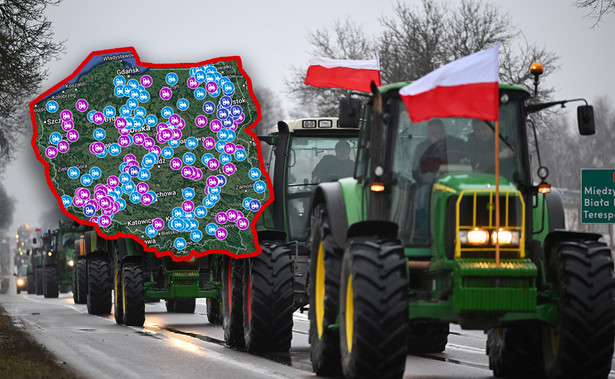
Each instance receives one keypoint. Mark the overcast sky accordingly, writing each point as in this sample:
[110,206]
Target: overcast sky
[270,37]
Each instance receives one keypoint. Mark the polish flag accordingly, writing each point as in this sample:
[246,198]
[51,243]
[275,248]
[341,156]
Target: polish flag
[343,73]
[467,87]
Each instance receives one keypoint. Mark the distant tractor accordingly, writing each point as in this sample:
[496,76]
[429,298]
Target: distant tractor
[261,293]
[122,267]
[409,244]
[58,246]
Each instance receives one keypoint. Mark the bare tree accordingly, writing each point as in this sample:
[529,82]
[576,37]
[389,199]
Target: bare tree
[418,40]
[272,110]
[26,45]
[347,40]
[598,8]
[7,208]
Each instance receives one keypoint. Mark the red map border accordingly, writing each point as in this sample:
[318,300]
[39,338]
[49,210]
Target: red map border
[193,253]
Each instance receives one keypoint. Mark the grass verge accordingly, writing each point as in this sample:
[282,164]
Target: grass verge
[22,357]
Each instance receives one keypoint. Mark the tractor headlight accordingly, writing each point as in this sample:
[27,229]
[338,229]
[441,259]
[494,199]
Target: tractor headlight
[49,253]
[20,282]
[505,237]
[474,236]
[71,263]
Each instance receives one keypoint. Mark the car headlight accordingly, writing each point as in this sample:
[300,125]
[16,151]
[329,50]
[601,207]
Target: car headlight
[71,263]
[20,282]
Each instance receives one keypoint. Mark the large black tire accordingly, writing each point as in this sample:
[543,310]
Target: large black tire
[214,310]
[581,345]
[426,337]
[170,305]
[232,315]
[374,310]
[50,282]
[515,351]
[324,284]
[133,294]
[38,280]
[118,297]
[268,299]
[31,285]
[81,280]
[185,305]
[99,287]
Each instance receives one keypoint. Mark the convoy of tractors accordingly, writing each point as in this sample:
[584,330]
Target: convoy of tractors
[385,246]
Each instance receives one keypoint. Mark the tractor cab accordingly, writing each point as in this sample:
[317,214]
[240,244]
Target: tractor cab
[302,154]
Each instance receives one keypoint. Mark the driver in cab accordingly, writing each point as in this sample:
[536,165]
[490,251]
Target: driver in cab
[333,167]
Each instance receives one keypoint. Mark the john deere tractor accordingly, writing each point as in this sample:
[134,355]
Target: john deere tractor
[261,293]
[58,245]
[411,243]
[135,277]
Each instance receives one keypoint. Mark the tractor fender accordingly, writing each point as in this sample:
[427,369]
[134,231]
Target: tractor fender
[129,251]
[559,235]
[331,195]
[271,235]
[555,210]
[374,229]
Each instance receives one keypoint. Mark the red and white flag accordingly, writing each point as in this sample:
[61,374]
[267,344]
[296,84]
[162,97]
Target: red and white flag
[343,73]
[467,87]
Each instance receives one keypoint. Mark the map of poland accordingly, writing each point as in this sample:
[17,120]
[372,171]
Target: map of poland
[161,153]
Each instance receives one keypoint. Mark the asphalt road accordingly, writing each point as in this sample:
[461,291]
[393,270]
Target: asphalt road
[185,345]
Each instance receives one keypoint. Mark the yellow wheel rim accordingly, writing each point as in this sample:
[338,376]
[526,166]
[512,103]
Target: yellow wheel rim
[116,285]
[123,295]
[554,341]
[320,289]
[349,314]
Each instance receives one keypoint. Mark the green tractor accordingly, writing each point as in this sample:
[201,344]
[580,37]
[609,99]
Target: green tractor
[135,277]
[408,245]
[58,262]
[36,268]
[261,293]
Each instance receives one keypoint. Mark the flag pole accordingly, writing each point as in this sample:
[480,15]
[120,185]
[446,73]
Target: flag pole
[497,193]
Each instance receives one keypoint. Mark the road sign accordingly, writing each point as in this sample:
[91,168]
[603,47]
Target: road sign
[598,196]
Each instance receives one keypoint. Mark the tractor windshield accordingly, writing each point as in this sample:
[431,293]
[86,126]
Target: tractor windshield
[424,151]
[68,240]
[314,159]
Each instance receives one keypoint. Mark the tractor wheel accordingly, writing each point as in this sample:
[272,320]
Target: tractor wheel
[214,311]
[99,287]
[185,305]
[324,284]
[38,280]
[81,288]
[581,344]
[232,316]
[118,298]
[515,351]
[170,305]
[133,294]
[268,299]
[31,284]
[373,310]
[427,337]
[50,281]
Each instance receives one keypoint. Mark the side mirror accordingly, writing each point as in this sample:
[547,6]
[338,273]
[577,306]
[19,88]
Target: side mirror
[350,112]
[585,118]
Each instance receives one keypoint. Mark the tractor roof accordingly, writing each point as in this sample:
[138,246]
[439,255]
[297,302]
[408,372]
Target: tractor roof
[313,124]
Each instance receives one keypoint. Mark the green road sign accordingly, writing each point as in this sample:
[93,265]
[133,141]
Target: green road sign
[598,196]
